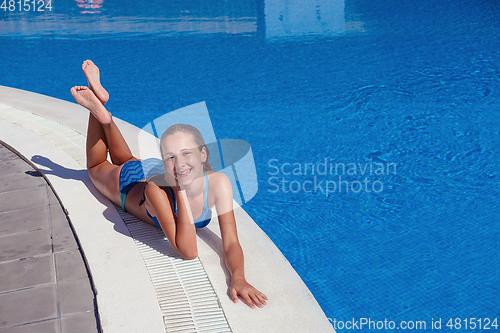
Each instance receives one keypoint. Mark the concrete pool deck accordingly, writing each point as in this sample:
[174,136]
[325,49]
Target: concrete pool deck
[140,285]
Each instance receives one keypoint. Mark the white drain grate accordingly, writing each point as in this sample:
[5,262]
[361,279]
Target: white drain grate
[186,297]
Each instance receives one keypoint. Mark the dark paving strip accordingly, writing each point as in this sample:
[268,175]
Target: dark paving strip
[45,285]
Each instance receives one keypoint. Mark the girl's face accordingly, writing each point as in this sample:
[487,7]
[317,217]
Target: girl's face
[182,158]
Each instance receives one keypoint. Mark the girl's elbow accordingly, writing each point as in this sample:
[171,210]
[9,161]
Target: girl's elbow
[189,255]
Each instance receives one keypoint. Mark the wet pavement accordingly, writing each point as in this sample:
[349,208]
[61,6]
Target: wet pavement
[44,282]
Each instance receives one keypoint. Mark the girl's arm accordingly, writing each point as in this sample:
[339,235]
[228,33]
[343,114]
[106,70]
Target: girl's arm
[179,230]
[233,253]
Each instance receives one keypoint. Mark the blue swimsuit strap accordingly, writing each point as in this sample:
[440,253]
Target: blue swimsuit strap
[205,194]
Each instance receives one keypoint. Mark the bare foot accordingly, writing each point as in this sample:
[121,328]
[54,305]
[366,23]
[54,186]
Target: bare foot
[92,74]
[86,98]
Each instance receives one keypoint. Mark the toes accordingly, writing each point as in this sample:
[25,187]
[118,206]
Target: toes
[86,64]
[76,89]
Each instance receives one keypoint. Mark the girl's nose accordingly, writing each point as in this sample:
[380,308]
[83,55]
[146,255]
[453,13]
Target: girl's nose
[179,161]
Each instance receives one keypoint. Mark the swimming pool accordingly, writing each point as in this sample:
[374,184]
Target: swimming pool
[319,88]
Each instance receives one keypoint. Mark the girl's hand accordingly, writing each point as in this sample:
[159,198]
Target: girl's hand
[248,293]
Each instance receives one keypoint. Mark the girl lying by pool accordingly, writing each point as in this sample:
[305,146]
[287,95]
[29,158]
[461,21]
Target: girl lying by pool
[186,187]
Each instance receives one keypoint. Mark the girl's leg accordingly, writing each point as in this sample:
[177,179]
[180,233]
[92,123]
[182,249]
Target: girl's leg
[102,134]
[97,146]
[103,174]
[118,148]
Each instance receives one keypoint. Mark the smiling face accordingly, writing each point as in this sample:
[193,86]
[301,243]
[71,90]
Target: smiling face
[182,158]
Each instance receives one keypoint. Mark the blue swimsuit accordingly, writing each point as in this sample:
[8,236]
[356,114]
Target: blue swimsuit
[136,171]
[133,172]
[206,214]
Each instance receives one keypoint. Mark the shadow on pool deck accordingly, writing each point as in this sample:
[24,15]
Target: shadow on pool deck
[44,282]
[51,168]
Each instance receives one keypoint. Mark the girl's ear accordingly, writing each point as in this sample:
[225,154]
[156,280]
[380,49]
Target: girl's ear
[204,154]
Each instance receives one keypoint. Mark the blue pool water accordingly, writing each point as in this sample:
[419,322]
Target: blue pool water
[317,84]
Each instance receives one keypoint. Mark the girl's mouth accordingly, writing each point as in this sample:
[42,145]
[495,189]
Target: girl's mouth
[184,173]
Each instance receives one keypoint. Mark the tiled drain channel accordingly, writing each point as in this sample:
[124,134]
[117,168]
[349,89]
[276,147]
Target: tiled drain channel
[186,297]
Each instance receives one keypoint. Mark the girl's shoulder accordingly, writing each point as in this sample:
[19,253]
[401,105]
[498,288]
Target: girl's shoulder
[218,181]
[220,190]
[216,176]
